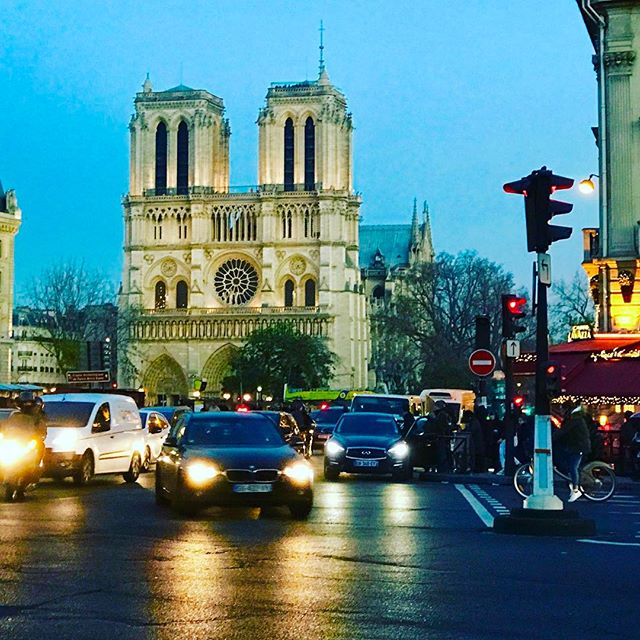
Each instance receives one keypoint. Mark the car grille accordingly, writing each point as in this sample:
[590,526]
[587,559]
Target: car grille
[366,453]
[252,475]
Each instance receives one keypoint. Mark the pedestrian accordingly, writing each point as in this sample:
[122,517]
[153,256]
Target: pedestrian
[305,424]
[572,443]
[478,452]
[442,428]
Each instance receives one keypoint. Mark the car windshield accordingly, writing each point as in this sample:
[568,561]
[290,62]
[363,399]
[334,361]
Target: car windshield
[67,414]
[367,425]
[231,432]
[327,416]
[378,404]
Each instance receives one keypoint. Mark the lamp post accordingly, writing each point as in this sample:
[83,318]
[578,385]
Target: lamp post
[587,185]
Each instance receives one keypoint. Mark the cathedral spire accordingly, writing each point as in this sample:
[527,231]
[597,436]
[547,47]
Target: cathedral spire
[147,87]
[426,230]
[415,229]
[321,65]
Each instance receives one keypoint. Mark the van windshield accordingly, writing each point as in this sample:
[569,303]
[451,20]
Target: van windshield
[67,414]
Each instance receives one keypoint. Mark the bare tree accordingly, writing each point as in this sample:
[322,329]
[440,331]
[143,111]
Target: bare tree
[570,304]
[435,308]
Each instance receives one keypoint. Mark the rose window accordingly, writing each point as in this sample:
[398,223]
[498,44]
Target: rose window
[235,282]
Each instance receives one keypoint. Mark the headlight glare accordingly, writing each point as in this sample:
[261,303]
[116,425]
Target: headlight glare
[65,441]
[299,472]
[400,450]
[333,448]
[11,451]
[200,473]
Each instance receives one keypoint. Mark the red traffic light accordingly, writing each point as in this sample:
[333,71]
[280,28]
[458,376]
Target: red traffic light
[518,402]
[551,369]
[515,305]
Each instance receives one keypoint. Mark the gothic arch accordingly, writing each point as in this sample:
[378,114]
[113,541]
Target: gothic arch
[218,367]
[164,376]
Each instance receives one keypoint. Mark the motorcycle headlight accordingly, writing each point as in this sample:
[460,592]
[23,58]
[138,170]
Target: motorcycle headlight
[11,451]
[65,441]
[299,472]
[199,473]
[333,448]
[399,450]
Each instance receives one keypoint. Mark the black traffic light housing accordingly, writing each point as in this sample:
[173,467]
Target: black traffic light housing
[512,311]
[552,379]
[537,189]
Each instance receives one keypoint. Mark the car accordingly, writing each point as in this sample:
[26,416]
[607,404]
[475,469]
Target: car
[231,459]
[326,419]
[90,434]
[288,427]
[367,442]
[156,428]
[171,413]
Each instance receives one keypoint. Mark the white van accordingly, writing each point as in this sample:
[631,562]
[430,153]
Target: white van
[457,400]
[92,433]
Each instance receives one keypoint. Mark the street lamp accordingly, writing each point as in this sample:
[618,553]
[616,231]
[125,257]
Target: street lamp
[246,397]
[587,185]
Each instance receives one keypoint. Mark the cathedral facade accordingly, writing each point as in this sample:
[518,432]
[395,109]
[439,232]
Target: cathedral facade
[206,264]
[10,220]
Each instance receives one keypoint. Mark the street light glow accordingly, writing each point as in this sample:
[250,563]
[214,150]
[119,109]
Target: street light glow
[587,185]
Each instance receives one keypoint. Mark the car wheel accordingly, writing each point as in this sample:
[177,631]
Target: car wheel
[84,473]
[301,510]
[146,463]
[10,492]
[134,469]
[330,474]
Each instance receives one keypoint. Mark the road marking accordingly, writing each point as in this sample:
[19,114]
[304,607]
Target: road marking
[614,544]
[481,512]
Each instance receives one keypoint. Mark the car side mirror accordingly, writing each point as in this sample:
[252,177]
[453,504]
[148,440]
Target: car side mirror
[171,441]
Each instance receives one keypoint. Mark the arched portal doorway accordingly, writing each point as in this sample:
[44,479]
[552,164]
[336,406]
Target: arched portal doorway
[165,382]
[217,368]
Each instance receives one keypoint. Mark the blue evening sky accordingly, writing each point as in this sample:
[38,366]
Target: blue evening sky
[450,98]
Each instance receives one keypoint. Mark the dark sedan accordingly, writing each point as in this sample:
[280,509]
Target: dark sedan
[326,420]
[171,413]
[231,459]
[367,443]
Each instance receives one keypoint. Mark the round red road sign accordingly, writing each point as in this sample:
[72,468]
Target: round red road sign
[482,362]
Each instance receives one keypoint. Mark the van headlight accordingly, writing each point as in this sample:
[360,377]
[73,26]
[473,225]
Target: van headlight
[299,472]
[199,473]
[332,448]
[65,441]
[399,450]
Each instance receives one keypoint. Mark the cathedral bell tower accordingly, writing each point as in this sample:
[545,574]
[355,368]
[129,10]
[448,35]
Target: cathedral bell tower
[305,137]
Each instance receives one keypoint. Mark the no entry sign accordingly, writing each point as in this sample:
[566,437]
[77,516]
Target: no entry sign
[482,362]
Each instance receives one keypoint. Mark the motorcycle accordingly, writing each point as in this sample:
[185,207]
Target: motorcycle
[20,466]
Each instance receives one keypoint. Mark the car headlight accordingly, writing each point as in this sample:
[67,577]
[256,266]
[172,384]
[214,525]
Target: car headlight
[333,448]
[200,473]
[299,472]
[399,450]
[65,441]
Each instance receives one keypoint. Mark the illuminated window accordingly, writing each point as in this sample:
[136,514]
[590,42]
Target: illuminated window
[161,295]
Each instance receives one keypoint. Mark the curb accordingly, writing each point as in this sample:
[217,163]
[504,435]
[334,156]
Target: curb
[467,478]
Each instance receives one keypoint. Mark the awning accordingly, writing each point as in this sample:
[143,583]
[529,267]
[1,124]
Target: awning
[606,369]
[19,387]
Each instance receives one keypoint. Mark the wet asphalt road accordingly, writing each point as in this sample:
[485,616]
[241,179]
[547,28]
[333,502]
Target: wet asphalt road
[374,560]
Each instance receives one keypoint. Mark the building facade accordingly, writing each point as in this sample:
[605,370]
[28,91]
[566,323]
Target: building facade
[10,220]
[612,251]
[208,264]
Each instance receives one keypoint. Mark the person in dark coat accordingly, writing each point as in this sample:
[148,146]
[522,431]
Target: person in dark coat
[630,427]
[442,429]
[574,442]
[305,424]
[477,453]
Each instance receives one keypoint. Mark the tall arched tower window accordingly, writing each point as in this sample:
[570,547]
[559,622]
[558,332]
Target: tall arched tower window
[310,293]
[182,295]
[309,154]
[288,293]
[161,295]
[161,159]
[182,181]
[288,155]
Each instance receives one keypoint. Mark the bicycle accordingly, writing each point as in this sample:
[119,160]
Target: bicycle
[597,480]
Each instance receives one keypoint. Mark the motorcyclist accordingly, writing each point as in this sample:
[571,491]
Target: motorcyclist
[305,424]
[28,422]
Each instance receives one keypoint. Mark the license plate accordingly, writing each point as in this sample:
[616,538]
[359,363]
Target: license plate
[365,463]
[252,488]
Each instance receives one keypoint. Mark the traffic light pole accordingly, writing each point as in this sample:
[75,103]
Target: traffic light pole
[542,496]
[509,391]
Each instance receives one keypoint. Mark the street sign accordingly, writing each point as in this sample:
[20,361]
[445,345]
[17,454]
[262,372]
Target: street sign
[544,268]
[88,376]
[482,362]
[512,348]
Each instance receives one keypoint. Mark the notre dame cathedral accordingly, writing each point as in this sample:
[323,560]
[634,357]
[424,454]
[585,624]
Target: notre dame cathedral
[208,264]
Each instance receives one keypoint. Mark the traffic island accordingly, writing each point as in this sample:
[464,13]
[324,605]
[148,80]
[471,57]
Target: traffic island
[539,522]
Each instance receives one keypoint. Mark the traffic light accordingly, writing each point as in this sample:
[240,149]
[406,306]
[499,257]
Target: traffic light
[512,310]
[537,189]
[552,379]
[518,402]
[105,354]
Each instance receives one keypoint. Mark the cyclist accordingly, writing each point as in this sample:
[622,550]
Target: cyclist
[572,442]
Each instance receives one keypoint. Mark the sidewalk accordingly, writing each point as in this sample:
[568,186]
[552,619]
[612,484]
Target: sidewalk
[622,482]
